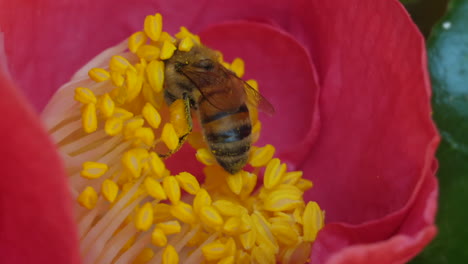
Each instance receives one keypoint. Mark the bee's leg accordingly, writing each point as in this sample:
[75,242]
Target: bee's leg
[188,118]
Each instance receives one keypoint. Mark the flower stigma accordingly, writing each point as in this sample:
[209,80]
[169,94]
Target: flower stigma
[111,125]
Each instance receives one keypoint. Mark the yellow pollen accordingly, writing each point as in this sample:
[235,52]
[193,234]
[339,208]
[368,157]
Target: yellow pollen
[136,40]
[313,221]
[156,165]
[148,52]
[88,198]
[99,75]
[186,44]
[235,182]
[227,260]
[93,170]
[237,66]
[261,156]
[228,208]
[116,137]
[273,173]
[170,255]
[169,136]
[117,79]
[172,189]
[170,227]
[109,190]
[211,217]
[214,250]
[113,126]
[89,118]
[154,189]
[167,50]
[153,26]
[85,95]
[202,198]
[304,184]
[183,212]
[204,156]
[188,182]
[119,64]
[122,113]
[106,105]
[155,75]
[158,237]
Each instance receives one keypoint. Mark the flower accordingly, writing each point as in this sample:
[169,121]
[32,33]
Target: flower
[356,116]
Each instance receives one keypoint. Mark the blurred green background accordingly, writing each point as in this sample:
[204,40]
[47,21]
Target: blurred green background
[445,26]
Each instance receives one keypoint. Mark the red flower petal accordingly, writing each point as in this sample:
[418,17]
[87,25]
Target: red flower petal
[371,163]
[36,224]
[376,242]
[377,140]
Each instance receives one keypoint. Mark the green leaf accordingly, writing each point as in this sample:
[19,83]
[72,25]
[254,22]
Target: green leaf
[448,64]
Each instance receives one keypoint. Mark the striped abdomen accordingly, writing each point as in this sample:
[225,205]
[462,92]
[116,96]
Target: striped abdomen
[227,134]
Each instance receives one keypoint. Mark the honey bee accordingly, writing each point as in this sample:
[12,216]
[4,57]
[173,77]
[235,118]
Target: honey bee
[220,98]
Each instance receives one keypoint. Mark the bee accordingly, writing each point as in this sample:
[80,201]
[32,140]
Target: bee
[220,98]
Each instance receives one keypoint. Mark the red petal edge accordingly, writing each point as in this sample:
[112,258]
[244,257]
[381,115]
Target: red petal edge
[36,225]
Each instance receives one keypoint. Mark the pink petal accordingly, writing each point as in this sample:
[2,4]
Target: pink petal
[365,243]
[36,225]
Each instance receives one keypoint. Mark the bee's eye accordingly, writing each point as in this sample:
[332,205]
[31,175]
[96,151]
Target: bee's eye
[206,64]
[179,65]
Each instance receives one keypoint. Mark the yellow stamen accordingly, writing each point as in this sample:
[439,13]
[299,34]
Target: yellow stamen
[261,156]
[172,189]
[136,40]
[170,255]
[169,227]
[153,26]
[109,190]
[148,52]
[156,165]
[183,212]
[211,217]
[215,250]
[167,50]
[119,64]
[89,118]
[113,126]
[186,44]
[99,75]
[155,75]
[204,156]
[273,173]
[158,237]
[237,67]
[169,136]
[235,182]
[155,189]
[144,217]
[88,198]
[93,170]
[85,96]
[188,182]
[313,221]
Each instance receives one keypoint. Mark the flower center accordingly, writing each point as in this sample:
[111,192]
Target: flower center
[112,134]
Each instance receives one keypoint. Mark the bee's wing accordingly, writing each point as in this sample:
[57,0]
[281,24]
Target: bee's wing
[254,98]
[221,88]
